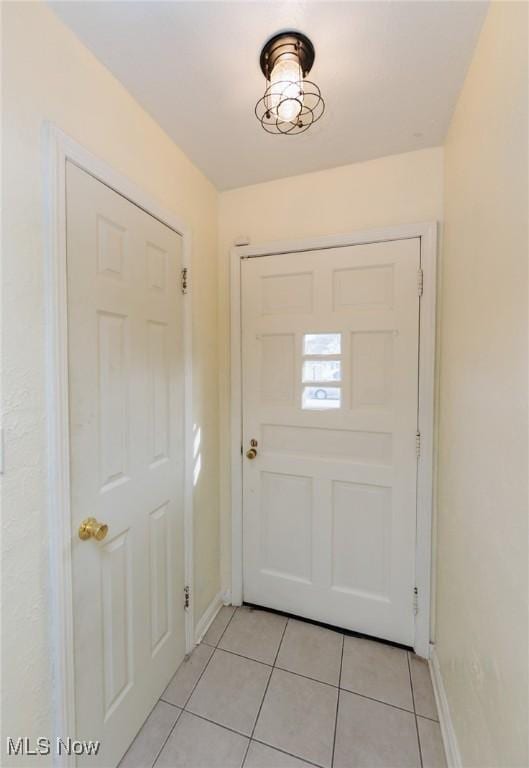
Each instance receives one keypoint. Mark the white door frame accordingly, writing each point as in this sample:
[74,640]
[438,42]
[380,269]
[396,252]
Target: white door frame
[427,232]
[58,149]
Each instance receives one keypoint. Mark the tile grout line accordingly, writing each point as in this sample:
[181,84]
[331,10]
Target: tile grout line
[337,704]
[430,719]
[265,691]
[183,709]
[227,625]
[411,683]
[242,656]
[414,709]
[280,643]
[379,701]
[307,677]
[170,703]
[290,754]
[219,725]
[167,739]
[322,682]
[208,661]
[141,729]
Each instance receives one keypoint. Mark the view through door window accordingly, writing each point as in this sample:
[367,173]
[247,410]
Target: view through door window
[321,371]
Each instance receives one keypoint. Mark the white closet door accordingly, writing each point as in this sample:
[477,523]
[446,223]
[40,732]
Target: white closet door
[330,375]
[126,422]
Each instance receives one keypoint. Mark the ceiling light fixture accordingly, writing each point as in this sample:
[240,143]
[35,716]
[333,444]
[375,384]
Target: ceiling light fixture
[291,103]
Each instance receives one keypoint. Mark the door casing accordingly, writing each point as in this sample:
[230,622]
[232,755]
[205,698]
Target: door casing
[58,149]
[427,232]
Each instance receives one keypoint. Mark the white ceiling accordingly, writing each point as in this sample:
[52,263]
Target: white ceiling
[390,73]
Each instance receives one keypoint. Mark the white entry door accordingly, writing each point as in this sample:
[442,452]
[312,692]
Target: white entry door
[330,381]
[125,346]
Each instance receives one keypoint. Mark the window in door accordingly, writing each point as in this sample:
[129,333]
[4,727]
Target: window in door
[321,372]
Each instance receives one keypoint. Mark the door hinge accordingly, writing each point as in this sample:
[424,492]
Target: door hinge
[418,443]
[420,281]
[187,597]
[415,601]
[183,276]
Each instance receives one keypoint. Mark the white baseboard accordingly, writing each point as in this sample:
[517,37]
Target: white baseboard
[208,617]
[453,756]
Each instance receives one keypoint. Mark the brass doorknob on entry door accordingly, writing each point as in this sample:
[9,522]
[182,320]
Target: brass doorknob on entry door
[251,453]
[91,529]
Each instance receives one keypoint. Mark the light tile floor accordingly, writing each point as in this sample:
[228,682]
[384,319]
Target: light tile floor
[264,691]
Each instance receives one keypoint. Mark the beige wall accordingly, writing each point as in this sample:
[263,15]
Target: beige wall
[482,638]
[400,189]
[49,75]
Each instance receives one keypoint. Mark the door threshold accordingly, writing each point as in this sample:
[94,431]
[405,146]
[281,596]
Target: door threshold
[348,632]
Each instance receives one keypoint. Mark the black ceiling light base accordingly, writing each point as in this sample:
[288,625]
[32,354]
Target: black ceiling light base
[288,44]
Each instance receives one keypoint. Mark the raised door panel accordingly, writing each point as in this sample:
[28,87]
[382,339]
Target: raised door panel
[353,446]
[286,525]
[117,611]
[159,392]
[361,545]
[160,578]
[111,248]
[156,268]
[277,368]
[113,396]
[372,369]
[286,294]
[368,288]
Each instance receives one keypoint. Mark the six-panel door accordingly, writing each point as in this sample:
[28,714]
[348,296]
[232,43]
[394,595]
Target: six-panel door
[126,427]
[330,372]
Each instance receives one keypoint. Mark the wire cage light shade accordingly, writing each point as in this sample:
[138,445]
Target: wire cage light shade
[291,103]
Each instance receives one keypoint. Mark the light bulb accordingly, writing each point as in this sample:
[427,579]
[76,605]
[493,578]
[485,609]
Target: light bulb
[286,95]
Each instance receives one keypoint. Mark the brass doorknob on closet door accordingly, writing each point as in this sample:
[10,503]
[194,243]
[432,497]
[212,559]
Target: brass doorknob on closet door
[251,453]
[92,529]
